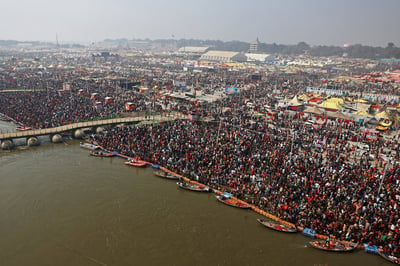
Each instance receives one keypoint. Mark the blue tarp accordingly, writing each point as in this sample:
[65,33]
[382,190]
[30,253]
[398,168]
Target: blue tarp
[371,249]
[227,195]
[309,232]
[155,166]
[231,90]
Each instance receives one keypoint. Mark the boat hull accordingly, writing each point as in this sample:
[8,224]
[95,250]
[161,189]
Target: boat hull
[193,187]
[277,226]
[233,203]
[338,247]
[88,146]
[392,259]
[136,163]
[166,175]
[101,154]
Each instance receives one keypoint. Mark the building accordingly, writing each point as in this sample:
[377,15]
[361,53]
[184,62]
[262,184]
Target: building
[193,50]
[223,56]
[254,46]
[259,57]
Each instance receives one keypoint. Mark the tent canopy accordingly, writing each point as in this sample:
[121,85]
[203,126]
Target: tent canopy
[294,102]
[331,105]
[313,110]
[383,115]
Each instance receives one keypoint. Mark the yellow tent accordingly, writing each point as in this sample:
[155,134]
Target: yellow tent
[304,97]
[337,100]
[360,101]
[333,103]
[383,115]
[233,64]
[362,112]
[330,105]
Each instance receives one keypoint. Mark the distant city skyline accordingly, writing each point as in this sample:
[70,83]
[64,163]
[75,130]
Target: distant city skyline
[315,22]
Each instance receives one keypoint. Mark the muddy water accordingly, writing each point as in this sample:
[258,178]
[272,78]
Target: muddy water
[60,206]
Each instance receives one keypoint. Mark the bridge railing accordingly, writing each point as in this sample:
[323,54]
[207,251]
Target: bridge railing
[55,130]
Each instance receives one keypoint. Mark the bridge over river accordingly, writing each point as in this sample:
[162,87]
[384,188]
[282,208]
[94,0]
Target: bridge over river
[6,138]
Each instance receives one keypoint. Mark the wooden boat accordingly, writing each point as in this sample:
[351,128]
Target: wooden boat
[194,187]
[278,226]
[166,175]
[88,146]
[333,246]
[390,258]
[101,154]
[136,163]
[228,200]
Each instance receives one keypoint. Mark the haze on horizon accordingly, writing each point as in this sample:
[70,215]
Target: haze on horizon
[315,22]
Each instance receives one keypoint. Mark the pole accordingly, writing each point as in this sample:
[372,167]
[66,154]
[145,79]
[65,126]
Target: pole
[291,148]
[382,178]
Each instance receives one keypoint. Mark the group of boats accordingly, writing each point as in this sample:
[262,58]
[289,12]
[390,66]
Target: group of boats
[228,199]
[327,245]
[182,184]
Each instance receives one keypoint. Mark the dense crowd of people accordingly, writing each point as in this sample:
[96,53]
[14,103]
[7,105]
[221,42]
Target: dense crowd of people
[310,174]
[307,175]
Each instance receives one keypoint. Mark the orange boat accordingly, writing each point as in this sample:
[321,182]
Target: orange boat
[228,200]
[335,246]
[136,162]
[277,226]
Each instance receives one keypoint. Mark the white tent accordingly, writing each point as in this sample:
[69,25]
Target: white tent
[295,102]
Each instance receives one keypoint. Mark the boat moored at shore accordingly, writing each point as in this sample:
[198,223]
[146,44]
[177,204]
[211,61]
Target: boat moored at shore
[88,146]
[228,200]
[277,226]
[194,187]
[166,175]
[334,246]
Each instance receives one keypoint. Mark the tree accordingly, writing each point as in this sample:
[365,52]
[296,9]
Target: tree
[390,45]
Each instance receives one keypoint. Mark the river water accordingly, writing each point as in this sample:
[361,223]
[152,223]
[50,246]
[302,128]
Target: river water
[60,206]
